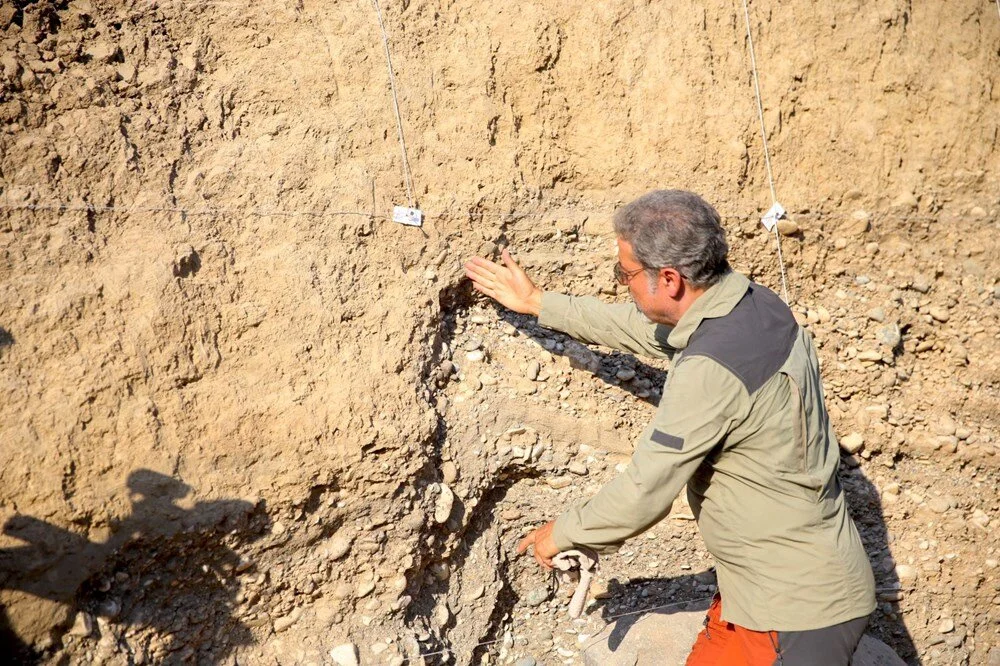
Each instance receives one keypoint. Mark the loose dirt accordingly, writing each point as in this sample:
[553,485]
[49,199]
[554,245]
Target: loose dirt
[240,421]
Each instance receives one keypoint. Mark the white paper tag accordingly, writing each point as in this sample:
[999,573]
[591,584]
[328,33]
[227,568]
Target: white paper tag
[771,217]
[412,217]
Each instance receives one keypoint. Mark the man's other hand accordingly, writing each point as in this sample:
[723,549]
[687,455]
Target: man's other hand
[508,284]
[545,547]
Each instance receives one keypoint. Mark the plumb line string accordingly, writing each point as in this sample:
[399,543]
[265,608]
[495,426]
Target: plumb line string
[407,176]
[767,153]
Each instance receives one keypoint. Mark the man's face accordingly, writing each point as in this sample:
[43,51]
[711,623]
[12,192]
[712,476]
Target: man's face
[652,302]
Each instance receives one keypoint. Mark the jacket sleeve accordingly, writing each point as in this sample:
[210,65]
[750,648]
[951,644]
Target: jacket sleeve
[617,325]
[701,404]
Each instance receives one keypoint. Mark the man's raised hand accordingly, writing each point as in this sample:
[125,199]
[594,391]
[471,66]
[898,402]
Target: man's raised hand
[508,284]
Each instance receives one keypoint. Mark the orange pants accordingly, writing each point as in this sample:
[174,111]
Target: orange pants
[727,644]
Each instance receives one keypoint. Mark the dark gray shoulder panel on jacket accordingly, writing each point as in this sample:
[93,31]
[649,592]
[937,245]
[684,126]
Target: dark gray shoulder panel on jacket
[753,341]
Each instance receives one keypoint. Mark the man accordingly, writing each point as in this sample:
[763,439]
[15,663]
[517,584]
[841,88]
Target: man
[741,422]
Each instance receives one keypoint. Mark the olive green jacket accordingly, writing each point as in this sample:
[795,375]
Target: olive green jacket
[743,424]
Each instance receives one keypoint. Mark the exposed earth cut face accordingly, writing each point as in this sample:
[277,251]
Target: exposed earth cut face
[244,416]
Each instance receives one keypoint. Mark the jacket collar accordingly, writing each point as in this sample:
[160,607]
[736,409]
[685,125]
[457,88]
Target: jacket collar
[717,301]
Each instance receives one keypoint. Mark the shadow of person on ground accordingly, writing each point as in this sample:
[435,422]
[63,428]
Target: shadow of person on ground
[865,504]
[169,571]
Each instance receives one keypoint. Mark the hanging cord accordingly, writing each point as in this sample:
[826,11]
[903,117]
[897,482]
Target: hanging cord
[767,153]
[407,176]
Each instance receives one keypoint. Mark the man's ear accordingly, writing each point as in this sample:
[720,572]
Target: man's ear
[671,281]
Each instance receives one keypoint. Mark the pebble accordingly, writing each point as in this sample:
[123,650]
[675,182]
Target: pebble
[83,625]
[939,314]
[443,504]
[537,596]
[488,380]
[858,224]
[787,227]
[338,546]
[526,387]
[980,519]
[526,661]
[472,344]
[870,355]
[475,356]
[510,514]
[441,570]
[479,319]
[578,468]
[475,593]
[441,615]
[947,626]
[890,335]
[938,504]
[558,482]
[904,572]
[285,621]
[906,200]
[853,442]
[345,655]
[877,314]
[534,367]
[365,587]
[625,374]
[946,427]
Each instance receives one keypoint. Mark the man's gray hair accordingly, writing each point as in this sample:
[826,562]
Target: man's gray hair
[677,229]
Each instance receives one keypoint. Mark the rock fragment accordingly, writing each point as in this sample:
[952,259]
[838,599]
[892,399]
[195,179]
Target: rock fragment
[345,654]
[787,227]
[938,504]
[83,625]
[852,443]
[890,335]
[877,314]
[285,621]
[859,223]
[939,314]
[337,546]
[444,503]
[625,374]
[537,596]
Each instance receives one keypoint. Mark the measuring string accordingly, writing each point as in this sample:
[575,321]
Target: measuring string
[776,212]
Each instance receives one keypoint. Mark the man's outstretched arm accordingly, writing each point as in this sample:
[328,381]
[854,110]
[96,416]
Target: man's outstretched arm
[701,404]
[589,320]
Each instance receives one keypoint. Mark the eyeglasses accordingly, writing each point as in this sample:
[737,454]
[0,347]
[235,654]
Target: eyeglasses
[622,276]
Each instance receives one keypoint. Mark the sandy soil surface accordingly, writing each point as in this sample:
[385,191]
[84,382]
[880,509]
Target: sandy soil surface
[245,418]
